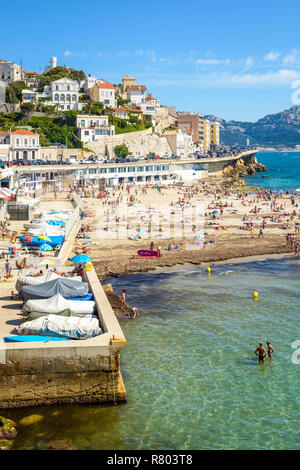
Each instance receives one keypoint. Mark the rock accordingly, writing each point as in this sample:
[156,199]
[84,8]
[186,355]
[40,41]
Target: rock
[5,444]
[56,445]
[31,419]
[7,429]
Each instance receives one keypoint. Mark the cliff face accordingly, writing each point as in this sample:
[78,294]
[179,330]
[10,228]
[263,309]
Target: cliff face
[273,130]
[241,169]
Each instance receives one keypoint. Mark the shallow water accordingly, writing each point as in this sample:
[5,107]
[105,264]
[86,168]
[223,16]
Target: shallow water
[192,379]
[283,171]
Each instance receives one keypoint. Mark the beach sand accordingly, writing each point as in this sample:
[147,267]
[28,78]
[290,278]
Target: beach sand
[113,250]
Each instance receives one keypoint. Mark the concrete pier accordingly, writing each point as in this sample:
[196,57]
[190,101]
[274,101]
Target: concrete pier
[77,371]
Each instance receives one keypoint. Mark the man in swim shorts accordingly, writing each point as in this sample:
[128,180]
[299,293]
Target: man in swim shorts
[261,353]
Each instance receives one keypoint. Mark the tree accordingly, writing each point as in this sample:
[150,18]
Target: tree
[13,93]
[121,151]
[27,108]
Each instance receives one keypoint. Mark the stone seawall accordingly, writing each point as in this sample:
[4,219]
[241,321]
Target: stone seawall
[138,143]
[77,379]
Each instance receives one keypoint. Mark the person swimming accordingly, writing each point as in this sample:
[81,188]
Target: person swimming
[261,353]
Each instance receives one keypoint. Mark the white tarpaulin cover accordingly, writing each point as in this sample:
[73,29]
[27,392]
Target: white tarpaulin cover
[48,230]
[57,304]
[68,327]
[32,280]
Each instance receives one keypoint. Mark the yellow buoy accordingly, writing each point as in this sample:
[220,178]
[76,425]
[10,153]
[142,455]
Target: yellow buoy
[255,295]
[208,269]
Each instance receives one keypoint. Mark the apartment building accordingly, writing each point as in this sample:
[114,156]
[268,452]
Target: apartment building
[190,123]
[103,92]
[92,128]
[10,71]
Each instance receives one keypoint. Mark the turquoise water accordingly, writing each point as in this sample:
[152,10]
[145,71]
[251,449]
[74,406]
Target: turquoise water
[192,379]
[283,171]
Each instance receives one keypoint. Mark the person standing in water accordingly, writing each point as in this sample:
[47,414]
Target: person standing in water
[270,349]
[123,300]
[261,353]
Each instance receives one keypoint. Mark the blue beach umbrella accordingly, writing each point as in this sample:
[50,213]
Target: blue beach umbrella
[215,212]
[81,259]
[45,247]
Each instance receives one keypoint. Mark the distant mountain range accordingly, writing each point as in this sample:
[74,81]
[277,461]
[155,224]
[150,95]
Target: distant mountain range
[274,130]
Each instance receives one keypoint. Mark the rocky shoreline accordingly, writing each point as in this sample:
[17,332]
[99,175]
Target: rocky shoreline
[241,168]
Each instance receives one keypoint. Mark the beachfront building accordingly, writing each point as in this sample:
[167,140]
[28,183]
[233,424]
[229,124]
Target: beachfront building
[19,145]
[147,173]
[211,134]
[64,93]
[24,145]
[190,123]
[104,92]
[10,71]
[136,94]
[180,142]
[92,128]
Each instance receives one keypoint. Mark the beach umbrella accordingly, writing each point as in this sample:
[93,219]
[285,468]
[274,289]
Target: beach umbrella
[297,190]
[82,258]
[215,212]
[45,247]
[281,192]
[43,237]
[46,261]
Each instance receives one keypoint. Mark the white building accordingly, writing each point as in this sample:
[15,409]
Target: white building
[136,93]
[10,71]
[24,145]
[29,95]
[184,143]
[104,92]
[91,128]
[65,93]
[53,64]
[89,82]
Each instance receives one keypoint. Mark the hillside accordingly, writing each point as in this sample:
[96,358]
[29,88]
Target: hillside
[281,129]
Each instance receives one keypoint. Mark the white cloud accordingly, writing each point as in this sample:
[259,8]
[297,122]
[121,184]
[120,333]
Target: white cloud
[280,78]
[211,61]
[291,58]
[272,56]
[249,62]
[67,53]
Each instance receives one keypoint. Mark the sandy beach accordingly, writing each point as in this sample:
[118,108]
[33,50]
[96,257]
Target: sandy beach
[208,222]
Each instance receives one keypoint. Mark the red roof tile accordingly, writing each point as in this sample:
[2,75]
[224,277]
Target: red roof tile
[105,85]
[136,88]
[24,132]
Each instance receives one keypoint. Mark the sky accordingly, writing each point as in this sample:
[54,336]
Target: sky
[237,60]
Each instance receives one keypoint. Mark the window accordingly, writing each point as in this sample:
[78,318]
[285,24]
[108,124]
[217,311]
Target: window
[74,98]
[56,87]
[149,168]
[62,98]
[140,168]
[165,167]
[103,170]
[122,169]
[56,97]
[86,132]
[25,141]
[106,101]
[17,142]
[33,155]
[68,97]
[62,106]
[112,170]
[131,169]
[68,87]
[157,167]
[33,142]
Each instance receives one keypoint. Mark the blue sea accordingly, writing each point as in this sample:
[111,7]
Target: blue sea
[283,171]
[192,379]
